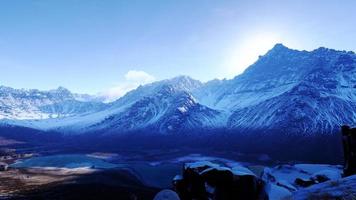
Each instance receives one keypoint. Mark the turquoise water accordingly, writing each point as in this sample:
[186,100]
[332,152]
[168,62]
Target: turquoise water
[67,161]
[160,175]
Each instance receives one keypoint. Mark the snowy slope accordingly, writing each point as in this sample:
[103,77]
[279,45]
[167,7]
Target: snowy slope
[273,74]
[164,106]
[168,110]
[296,113]
[321,101]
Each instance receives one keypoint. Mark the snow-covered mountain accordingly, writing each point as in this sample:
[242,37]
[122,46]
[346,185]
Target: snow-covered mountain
[21,104]
[295,91]
[165,106]
[305,92]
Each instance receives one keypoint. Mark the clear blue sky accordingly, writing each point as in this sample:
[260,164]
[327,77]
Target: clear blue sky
[90,46]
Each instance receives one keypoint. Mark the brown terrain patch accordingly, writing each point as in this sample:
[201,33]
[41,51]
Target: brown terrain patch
[19,180]
[79,183]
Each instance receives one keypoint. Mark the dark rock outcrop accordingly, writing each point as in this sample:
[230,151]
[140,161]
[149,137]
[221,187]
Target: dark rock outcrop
[206,180]
[315,179]
[304,183]
[349,142]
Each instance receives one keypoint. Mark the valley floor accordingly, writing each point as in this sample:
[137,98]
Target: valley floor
[142,175]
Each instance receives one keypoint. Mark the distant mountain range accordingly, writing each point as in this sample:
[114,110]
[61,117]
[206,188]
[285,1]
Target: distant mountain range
[21,104]
[297,92]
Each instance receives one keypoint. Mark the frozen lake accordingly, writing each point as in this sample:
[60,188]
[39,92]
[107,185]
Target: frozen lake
[65,161]
[159,175]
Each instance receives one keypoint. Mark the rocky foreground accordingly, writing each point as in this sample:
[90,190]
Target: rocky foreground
[199,180]
[207,180]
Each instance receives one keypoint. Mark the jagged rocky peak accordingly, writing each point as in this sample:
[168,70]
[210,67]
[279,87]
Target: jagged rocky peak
[62,92]
[282,63]
[183,83]
[28,104]
[59,92]
[275,58]
[10,90]
[164,87]
[279,47]
[4,88]
[61,89]
[328,51]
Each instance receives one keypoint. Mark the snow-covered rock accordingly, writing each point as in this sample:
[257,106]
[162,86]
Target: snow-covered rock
[344,188]
[282,179]
[200,165]
[208,180]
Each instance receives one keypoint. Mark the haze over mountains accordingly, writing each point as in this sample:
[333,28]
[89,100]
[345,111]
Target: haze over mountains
[298,92]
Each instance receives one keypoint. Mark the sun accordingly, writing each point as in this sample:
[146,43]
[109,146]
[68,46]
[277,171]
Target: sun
[247,50]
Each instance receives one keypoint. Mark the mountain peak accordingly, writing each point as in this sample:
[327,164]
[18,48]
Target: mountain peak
[182,78]
[61,90]
[5,88]
[279,47]
[183,83]
[62,93]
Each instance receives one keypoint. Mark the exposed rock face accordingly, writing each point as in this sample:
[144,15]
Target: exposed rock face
[349,142]
[206,180]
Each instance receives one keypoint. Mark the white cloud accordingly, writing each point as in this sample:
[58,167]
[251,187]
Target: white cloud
[133,79]
[139,77]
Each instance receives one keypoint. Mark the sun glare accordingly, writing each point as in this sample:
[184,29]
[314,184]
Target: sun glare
[247,50]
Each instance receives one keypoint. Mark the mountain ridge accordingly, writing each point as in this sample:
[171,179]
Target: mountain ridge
[300,91]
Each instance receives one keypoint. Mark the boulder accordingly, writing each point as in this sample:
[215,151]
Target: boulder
[206,180]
